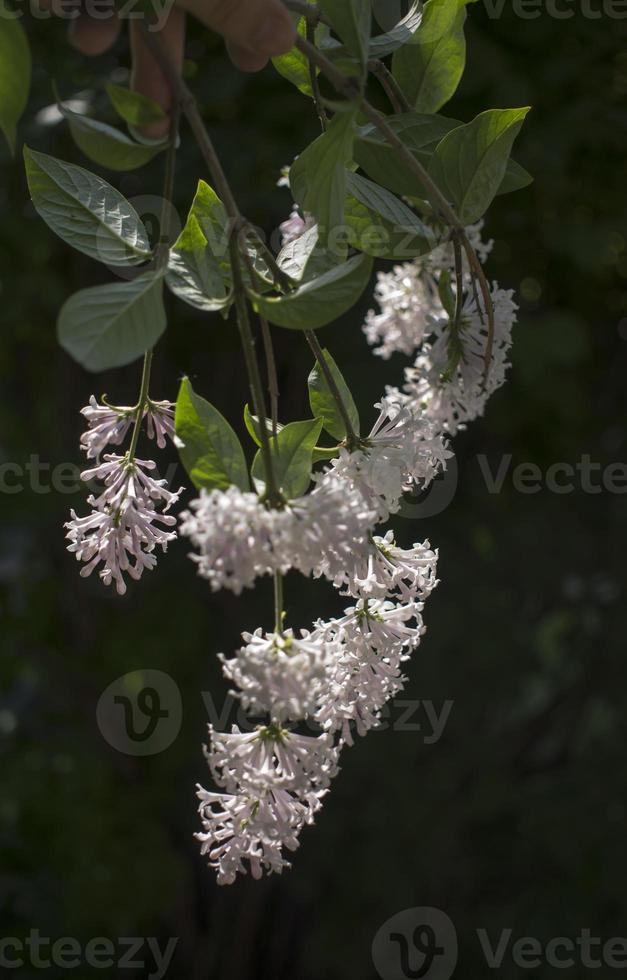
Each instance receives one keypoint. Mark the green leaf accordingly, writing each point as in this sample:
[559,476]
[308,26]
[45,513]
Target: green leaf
[319,301]
[516,178]
[209,213]
[470,163]
[294,66]
[382,225]
[323,404]
[352,21]
[132,107]
[430,71]
[374,235]
[210,452]
[107,146]
[109,326]
[85,211]
[320,453]
[15,72]
[252,424]
[292,457]
[294,257]
[420,133]
[318,176]
[194,274]
[200,258]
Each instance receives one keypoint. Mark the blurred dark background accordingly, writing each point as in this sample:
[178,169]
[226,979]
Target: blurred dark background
[515,818]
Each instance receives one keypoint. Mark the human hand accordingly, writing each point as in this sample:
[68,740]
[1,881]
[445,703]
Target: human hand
[254,30]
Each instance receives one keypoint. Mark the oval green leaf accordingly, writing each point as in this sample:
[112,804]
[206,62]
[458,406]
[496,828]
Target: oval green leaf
[85,211]
[132,107]
[109,326]
[15,72]
[107,146]
[323,404]
[470,163]
[319,301]
[292,456]
[209,448]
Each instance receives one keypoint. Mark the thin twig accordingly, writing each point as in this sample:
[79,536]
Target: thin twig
[479,276]
[459,284]
[392,89]
[351,436]
[310,11]
[273,380]
[188,105]
[273,383]
[162,252]
[141,404]
[350,89]
[278,603]
[281,279]
[165,221]
[313,77]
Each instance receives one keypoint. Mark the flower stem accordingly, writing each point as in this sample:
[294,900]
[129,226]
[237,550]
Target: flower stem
[141,404]
[162,253]
[392,89]
[273,381]
[351,436]
[252,367]
[279,614]
[313,77]
[281,280]
[188,105]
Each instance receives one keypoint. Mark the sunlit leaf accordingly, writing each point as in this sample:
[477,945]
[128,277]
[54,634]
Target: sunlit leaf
[85,211]
[321,300]
[209,448]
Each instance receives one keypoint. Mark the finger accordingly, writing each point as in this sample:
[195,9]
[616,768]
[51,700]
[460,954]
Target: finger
[245,59]
[262,26]
[93,37]
[148,78]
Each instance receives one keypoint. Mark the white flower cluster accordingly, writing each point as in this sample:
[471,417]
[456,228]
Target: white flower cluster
[329,531]
[339,675]
[125,526]
[273,781]
[448,380]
